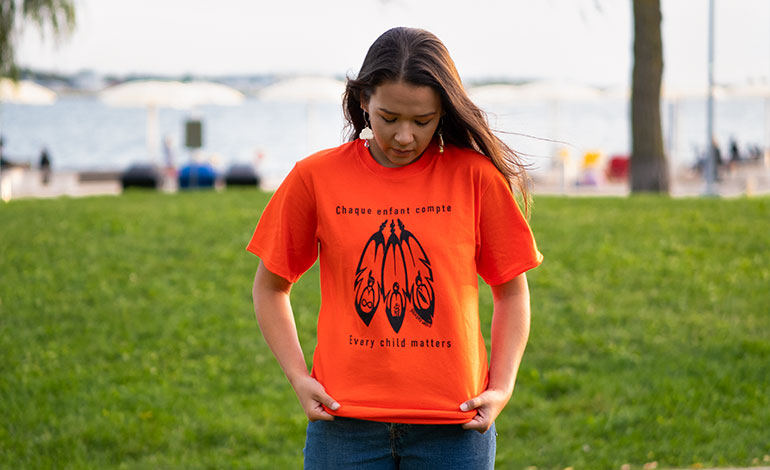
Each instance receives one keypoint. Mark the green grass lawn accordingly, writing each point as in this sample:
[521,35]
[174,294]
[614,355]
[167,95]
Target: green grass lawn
[128,340]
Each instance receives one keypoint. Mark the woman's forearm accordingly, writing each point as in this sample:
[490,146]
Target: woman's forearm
[276,321]
[510,332]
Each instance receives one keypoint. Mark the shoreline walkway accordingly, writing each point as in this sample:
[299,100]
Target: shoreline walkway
[745,180]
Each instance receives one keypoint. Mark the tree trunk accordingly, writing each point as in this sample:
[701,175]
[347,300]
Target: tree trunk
[649,166]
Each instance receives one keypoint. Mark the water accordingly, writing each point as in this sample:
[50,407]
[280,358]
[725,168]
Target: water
[84,134]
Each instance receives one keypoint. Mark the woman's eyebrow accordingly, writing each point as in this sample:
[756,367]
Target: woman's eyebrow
[384,110]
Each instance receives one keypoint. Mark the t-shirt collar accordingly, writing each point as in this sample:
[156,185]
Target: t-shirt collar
[417,166]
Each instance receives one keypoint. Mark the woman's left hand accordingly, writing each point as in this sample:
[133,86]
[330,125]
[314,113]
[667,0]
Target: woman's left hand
[488,405]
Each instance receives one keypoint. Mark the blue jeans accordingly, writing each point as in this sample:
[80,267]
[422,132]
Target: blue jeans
[347,443]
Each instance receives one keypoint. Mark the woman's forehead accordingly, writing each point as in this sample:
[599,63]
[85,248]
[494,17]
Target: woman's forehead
[406,98]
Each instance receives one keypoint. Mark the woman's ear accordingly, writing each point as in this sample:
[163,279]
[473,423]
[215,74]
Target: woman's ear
[364,100]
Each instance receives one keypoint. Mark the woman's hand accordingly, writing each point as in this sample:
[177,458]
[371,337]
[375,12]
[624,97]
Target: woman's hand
[488,405]
[313,397]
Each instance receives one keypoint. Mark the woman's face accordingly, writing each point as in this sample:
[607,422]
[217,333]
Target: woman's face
[404,118]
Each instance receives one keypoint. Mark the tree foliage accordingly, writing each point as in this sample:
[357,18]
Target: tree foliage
[56,16]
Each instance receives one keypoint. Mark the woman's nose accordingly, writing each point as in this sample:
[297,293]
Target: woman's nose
[404,136]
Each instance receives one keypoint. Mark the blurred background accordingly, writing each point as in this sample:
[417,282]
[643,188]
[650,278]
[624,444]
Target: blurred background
[559,70]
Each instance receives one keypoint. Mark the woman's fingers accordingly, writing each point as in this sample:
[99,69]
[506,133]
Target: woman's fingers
[471,404]
[313,398]
[487,405]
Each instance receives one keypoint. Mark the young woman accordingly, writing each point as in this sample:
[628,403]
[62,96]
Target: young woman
[405,216]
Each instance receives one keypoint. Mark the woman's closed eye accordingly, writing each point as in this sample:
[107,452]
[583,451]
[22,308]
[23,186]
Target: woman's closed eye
[419,123]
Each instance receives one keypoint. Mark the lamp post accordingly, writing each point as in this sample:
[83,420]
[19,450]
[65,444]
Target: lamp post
[710,168]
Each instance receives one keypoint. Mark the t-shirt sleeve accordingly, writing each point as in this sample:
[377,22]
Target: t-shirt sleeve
[285,238]
[505,245]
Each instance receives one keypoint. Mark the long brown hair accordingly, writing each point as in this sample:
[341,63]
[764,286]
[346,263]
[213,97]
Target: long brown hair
[418,57]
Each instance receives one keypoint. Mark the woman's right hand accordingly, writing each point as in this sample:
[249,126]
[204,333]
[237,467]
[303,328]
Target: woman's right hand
[313,397]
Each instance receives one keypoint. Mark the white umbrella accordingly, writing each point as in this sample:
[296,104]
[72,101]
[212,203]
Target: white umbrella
[678,93]
[154,94]
[312,91]
[170,94]
[498,93]
[25,92]
[554,90]
[305,90]
[545,90]
[751,90]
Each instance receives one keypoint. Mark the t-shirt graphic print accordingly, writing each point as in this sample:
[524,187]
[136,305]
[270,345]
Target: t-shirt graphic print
[397,272]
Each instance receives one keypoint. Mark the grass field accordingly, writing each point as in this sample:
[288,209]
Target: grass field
[128,341]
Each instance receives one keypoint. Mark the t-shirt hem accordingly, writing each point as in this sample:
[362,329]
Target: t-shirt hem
[406,416]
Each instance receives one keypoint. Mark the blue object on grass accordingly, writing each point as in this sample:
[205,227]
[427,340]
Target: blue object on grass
[197,175]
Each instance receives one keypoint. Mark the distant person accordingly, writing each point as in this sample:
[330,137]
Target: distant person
[755,152]
[45,165]
[168,153]
[405,216]
[715,154]
[735,154]
[3,162]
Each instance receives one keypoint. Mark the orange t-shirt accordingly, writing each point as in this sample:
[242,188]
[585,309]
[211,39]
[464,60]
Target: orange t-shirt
[400,249]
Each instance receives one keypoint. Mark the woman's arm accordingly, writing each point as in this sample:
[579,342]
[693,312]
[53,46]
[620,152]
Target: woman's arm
[510,331]
[276,320]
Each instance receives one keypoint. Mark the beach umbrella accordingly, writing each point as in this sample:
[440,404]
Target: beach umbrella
[25,92]
[304,90]
[170,94]
[494,94]
[537,91]
[558,91]
[311,91]
[748,90]
[155,94]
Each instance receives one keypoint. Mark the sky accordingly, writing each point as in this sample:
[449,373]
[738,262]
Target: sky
[584,41]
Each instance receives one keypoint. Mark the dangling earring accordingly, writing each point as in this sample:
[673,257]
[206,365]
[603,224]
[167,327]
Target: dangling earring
[366,132]
[441,138]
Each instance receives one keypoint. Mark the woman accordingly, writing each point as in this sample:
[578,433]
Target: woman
[405,216]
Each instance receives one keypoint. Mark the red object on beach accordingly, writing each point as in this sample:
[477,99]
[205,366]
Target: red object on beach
[617,168]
